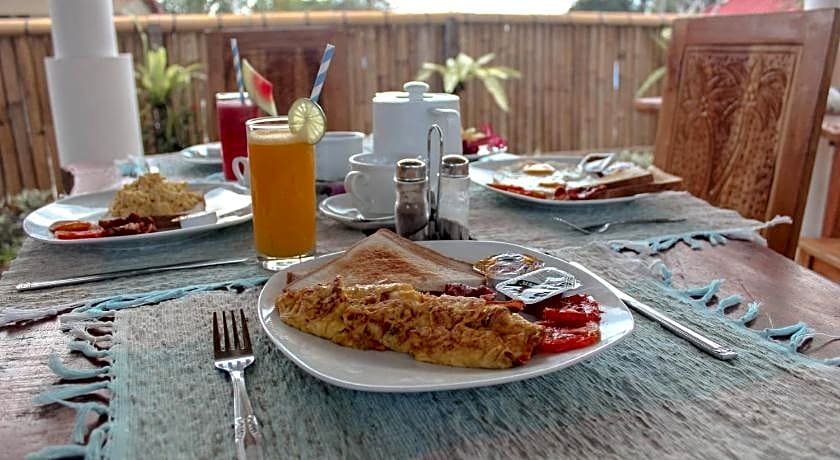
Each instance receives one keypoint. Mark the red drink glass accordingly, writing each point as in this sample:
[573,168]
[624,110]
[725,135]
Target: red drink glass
[232,114]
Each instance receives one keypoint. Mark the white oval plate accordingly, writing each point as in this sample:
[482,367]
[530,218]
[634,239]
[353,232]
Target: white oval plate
[92,206]
[482,173]
[387,371]
[203,154]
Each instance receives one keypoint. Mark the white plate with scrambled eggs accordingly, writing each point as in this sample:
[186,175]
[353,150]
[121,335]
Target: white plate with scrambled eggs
[229,200]
[388,371]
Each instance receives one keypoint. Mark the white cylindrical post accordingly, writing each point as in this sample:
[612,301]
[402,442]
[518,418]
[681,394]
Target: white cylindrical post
[83,28]
[92,93]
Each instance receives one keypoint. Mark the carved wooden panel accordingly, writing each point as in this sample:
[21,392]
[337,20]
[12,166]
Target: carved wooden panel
[741,109]
[729,114]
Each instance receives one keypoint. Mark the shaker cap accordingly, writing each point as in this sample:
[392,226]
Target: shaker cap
[455,166]
[410,170]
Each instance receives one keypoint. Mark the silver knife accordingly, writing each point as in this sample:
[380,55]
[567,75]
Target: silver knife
[684,332]
[31,286]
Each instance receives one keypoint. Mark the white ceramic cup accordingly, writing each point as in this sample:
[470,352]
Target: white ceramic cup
[371,184]
[333,152]
[242,171]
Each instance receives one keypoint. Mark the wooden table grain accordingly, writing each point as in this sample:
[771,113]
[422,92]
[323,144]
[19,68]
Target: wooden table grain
[789,293]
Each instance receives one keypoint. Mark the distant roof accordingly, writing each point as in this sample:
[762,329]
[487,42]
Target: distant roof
[753,6]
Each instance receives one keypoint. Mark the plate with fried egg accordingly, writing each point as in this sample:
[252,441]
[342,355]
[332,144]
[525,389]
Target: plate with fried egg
[556,181]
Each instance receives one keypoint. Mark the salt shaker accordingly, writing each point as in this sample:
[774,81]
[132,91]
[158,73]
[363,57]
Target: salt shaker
[453,207]
[411,209]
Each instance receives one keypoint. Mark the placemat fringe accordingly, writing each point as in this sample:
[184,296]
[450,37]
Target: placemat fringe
[61,394]
[751,314]
[87,349]
[59,452]
[695,239]
[64,392]
[92,450]
[702,298]
[94,308]
[67,373]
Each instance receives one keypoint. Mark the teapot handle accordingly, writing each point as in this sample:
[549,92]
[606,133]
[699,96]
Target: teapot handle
[452,124]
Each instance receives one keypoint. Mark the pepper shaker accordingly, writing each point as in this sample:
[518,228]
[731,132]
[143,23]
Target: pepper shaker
[411,209]
[453,198]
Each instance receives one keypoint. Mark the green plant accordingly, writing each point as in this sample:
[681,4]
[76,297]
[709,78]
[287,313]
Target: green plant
[662,40]
[11,220]
[158,82]
[462,68]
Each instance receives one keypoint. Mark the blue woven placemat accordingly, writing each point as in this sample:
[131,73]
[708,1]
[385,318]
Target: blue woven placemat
[492,217]
[651,396]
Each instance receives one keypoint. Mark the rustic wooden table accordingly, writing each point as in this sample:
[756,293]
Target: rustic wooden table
[790,293]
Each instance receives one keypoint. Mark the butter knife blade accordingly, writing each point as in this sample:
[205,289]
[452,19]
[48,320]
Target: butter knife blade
[695,338]
[34,285]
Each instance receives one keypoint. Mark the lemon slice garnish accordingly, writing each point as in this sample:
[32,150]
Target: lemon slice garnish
[307,120]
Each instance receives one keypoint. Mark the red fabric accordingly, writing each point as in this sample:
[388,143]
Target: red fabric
[753,6]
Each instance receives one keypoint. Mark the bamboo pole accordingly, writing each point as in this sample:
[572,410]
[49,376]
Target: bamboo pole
[26,70]
[200,22]
[17,114]
[8,157]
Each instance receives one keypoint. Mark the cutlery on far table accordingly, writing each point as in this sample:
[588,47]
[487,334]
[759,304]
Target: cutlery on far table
[234,360]
[33,285]
[700,341]
[603,227]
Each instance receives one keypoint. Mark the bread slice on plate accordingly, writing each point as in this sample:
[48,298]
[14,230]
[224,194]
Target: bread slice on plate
[386,257]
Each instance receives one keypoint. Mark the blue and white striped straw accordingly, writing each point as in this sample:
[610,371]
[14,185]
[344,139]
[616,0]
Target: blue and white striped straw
[322,73]
[234,47]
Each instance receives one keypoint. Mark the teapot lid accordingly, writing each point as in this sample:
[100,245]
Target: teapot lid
[414,91]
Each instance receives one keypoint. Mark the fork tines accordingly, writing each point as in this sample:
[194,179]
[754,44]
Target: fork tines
[245,346]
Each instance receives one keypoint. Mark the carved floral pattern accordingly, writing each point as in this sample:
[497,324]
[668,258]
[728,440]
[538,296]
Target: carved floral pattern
[730,107]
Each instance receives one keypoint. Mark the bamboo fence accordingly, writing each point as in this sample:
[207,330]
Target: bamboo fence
[580,73]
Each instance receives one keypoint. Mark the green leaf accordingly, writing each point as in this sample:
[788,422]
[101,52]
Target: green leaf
[424,74]
[462,68]
[450,81]
[484,60]
[434,67]
[494,87]
[651,80]
[465,66]
[503,73]
[429,68]
[510,72]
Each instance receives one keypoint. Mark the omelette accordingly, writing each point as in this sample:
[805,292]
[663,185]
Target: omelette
[449,330]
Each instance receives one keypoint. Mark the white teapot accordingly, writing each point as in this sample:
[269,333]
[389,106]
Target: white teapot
[401,121]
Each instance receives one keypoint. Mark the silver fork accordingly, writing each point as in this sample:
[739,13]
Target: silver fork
[234,360]
[601,228]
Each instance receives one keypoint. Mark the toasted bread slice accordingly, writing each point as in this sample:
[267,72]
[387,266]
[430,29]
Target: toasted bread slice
[634,175]
[385,257]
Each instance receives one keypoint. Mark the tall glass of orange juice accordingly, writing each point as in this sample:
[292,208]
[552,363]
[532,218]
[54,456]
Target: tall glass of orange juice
[282,168]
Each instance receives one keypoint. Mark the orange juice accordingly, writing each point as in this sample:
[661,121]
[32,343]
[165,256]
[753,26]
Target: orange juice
[282,190]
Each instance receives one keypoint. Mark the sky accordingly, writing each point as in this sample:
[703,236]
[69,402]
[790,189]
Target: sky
[482,6]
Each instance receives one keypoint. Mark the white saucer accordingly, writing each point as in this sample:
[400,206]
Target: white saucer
[340,208]
[203,154]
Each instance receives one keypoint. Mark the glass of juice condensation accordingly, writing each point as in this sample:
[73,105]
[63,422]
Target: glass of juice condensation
[231,114]
[282,192]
